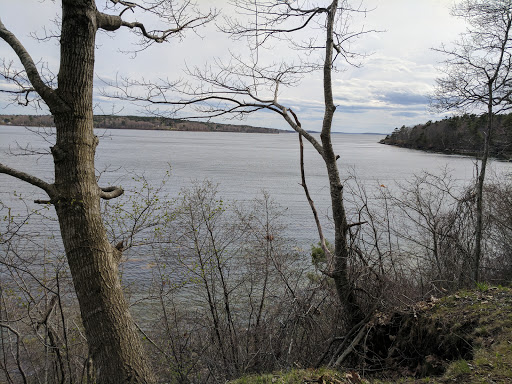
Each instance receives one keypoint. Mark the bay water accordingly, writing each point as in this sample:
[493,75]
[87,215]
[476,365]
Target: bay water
[242,164]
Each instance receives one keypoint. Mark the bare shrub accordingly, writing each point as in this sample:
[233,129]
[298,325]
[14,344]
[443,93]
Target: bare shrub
[231,295]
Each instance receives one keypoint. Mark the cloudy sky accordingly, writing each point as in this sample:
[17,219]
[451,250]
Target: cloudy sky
[389,90]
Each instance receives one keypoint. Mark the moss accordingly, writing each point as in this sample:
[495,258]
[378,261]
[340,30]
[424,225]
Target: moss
[458,368]
[463,338]
[482,331]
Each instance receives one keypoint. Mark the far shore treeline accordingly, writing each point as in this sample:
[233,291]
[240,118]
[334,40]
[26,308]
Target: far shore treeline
[463,135]
[138,122]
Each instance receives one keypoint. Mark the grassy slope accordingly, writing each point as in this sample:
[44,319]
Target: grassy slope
[482,317]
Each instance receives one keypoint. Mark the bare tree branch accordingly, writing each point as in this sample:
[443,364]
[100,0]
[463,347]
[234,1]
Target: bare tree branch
[111,192]
[48,188]
[48,94]
[243,86]
[180,16]
[478,75]
[18,354]
[328,254]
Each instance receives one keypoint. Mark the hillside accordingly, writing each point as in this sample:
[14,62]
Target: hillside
[462,338]
[138,122]
[456,135]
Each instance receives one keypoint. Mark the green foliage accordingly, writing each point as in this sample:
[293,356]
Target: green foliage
[482,286]
[318,257]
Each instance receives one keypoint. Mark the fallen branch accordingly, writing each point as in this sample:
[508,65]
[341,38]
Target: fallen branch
[361,325]
[351,347]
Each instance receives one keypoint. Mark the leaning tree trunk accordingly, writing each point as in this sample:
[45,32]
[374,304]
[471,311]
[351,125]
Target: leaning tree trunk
[340,273]
[114,345]
[115,348]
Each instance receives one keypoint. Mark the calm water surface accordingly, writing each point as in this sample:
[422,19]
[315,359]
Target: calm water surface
[242,164]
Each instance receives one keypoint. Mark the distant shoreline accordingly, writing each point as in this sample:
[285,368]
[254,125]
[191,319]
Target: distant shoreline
[143,129]
[457,135]
[142,123]
[451,152]
[280,131]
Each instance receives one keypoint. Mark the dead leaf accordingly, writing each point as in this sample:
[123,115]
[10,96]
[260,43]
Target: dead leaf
[353,377]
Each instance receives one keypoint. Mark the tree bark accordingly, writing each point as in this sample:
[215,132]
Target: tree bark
[116,350]
[340,273]
[482,54]
[475,263]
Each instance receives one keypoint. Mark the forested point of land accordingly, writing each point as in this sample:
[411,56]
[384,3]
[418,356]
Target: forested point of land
[138,122]
[462,135]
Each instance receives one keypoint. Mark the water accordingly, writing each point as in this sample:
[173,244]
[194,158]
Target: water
[242,164]
[245,164]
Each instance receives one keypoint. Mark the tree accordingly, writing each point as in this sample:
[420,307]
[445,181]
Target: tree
[246,85]
[477,76]
[114,345]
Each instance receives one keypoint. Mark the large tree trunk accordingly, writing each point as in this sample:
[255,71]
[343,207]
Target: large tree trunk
[115,348]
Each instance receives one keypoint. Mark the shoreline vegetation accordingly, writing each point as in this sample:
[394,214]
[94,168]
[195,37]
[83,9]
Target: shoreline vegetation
[140,123]
[457,135]
[154,123]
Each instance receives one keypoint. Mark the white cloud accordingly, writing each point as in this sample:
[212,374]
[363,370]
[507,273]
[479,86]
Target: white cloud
[388,91]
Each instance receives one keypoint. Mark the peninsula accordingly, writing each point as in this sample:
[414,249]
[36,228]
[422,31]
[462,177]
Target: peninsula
[462,135]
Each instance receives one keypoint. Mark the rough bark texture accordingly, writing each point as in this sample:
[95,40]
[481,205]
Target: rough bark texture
[340,274]
[115,348]
[114,345]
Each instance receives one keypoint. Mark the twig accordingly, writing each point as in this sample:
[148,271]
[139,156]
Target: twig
[328,253]
[351,347]
[18,357]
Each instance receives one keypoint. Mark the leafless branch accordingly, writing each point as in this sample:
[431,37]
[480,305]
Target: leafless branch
[181,17]
[18,355]
[47,93]
[328,254]
[48,188]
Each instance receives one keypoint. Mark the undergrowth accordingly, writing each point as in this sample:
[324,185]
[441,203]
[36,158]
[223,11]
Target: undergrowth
[482,318]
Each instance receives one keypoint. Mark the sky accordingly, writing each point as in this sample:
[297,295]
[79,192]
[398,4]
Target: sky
[388,90]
